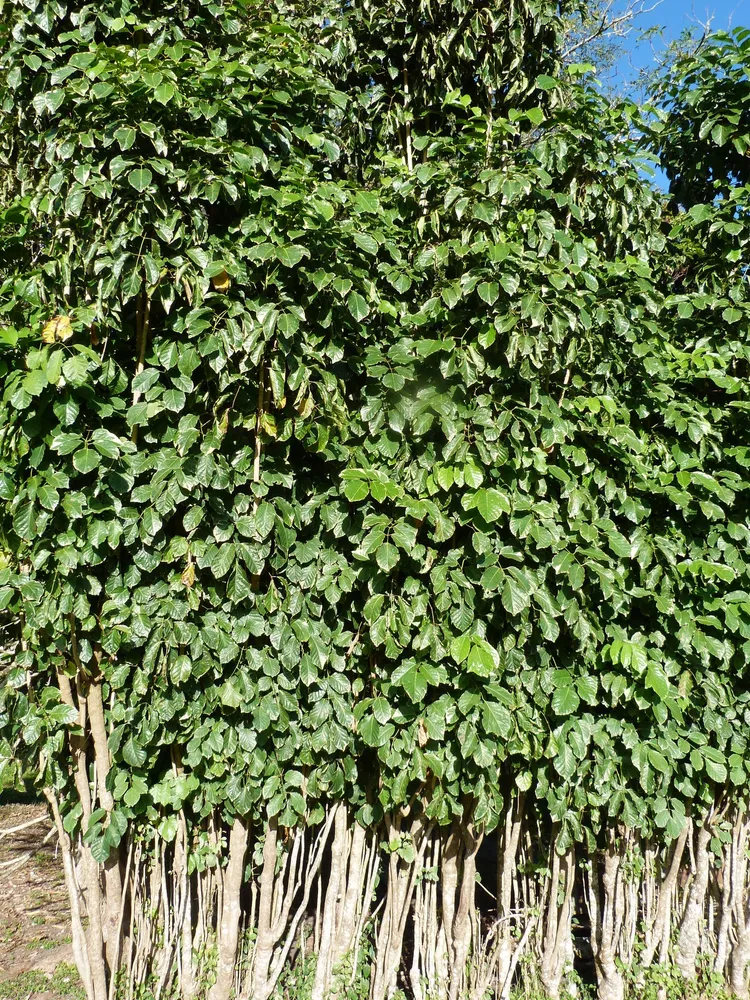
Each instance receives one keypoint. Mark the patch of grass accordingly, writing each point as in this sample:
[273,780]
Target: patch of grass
[64,984]
[45,943]
[24,985]
[44,858]
[40,898]
[9,933]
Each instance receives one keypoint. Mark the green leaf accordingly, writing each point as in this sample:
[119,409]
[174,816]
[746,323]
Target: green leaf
[483,659]
[164,93]
[565,700]
[48,497]
[489,292]
[516,596]
[150,523]
[588,688]
[24,521]
[86,460]
[658,761]
[715,764]
[230,695]
[140,178]
[265,517]
[460,648]
[223,560]
[657,681]
[180,670]
[716,770]
[576,575]
[365,242]
[496,719]
[485,211]
[125,136]
[404,535]
[387,557]
[473,475]
[510,283]
[492,578]
[721,134]
[174,399]
[565,762]
[75,199]
[133,754]
[381,710]
[105,442]
[701,213]
[290,255]
[193,517]
[239,588]
[373,608]
[356,490]
[408,676]
[544,82]
[357,306]
[66,443]
[373,733]
[491,504]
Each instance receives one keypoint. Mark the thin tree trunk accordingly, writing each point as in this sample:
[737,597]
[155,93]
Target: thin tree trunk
[266,941]
[80,946]
[352,902]
[557,946]
[90,869]
[662,923]
[507,861]
[324,967]
[142,324]
[605,910]
[461,932]
[112,877]
[690,928]
[401,878]
[740,903]
[231,913]
[189,987]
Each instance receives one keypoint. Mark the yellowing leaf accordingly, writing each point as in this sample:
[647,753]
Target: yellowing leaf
[304,406]
[221,281]
[188,575]
[57,328]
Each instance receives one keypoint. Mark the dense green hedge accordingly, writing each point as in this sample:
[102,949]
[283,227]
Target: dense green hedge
[372,432]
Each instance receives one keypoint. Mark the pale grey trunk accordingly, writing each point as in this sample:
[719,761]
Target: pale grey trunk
[605,900]
[690,927]
[231,914]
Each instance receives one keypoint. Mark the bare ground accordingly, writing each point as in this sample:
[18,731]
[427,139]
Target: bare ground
[35,951]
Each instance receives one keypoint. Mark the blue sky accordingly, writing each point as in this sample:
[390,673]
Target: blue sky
[674,16]
[677,15]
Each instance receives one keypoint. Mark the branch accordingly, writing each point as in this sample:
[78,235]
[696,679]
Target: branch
[142,323]
[608,25]
[23,826]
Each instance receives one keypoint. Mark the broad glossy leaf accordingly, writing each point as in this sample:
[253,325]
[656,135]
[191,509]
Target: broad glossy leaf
[565,700]
[387,557]
[140,178]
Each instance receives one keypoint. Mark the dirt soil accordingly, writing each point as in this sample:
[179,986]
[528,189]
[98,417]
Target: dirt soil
[35,948]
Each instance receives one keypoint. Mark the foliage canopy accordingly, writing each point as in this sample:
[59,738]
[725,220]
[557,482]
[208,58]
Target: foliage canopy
[371,433]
